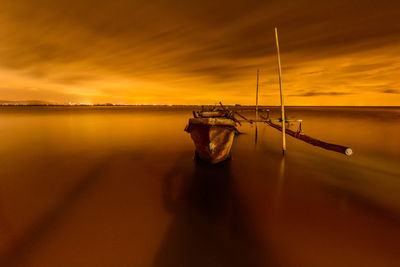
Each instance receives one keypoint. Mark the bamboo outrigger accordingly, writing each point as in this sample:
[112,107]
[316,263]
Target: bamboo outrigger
[315,142]
[298,134]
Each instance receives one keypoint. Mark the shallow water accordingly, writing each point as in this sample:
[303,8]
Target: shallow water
[118,186]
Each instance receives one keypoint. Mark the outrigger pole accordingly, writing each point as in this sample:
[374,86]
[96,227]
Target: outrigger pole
[258,75]
[281,89]
[256,130]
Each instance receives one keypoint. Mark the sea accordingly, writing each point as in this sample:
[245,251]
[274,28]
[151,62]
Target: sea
[119,186]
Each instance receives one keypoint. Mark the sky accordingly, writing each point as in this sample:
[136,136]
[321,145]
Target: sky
[342,52]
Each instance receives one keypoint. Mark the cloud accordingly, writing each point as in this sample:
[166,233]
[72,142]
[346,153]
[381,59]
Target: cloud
[391,91]
[307,94]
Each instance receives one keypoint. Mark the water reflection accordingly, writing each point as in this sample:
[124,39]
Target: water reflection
[13,255]
[281,178]
[208,228]
[311,206]
[255,136]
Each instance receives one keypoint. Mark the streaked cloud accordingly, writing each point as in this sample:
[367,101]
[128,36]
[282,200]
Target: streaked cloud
[311,93]
[391,91]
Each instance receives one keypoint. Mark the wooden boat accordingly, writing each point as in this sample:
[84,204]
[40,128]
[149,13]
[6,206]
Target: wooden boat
[212,133]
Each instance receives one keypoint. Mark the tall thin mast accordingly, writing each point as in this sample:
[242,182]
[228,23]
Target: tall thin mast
[281,89]
[258,74]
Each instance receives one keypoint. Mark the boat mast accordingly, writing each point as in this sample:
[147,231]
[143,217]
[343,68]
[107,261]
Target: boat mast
[258,74]
[281,89]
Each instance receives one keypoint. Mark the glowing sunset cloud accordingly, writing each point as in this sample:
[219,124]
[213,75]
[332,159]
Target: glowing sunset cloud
[187,52]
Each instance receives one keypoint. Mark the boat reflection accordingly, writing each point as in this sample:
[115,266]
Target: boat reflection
[208,227]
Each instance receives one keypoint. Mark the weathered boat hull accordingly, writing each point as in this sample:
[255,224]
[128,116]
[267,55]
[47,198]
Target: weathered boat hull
[213,137]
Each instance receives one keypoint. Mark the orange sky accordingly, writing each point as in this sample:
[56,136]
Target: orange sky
[199,52]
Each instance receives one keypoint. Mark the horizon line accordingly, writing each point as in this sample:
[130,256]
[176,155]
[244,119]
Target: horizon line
[177,105]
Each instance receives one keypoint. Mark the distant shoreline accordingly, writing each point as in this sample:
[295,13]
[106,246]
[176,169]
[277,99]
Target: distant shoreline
[182,106]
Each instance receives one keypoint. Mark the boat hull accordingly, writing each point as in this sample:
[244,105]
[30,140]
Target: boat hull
[213,138]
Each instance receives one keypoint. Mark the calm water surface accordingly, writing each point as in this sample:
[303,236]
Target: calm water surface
[119,187]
